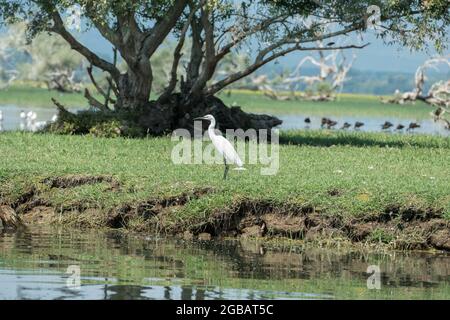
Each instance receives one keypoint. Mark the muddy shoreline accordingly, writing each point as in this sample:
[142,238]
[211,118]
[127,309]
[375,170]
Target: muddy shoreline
[398,227]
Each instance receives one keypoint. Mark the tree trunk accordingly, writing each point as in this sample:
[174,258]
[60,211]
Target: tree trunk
[134,88]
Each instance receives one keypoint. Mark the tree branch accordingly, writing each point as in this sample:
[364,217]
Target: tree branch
[94,102]
[176,58]
[258,63]
[210,61]
[94,82]
[77,46]
[154,37]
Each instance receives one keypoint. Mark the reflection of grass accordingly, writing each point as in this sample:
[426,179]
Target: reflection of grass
[347,104]
[376,171]
[227,265]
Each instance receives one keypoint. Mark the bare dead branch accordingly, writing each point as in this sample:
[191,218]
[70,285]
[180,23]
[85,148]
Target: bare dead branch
[94,102]
[260,62]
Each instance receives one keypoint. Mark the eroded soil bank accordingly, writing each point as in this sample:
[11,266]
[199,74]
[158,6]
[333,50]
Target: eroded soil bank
[398,226]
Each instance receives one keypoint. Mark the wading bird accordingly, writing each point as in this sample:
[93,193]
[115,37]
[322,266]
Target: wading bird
[358,124]
[307,120]
[438,113]
[413,126]
[223,146]
[1,115]
[346,126]
[331,123]
[386,125]
[23,115]
[400,127]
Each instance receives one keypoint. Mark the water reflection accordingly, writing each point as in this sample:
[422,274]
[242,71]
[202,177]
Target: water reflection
[371,124]
[28,119]
[113,265]
[13,119]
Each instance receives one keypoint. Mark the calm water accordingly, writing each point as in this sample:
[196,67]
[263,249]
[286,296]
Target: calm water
[44,263]
[372,124]
[12,121]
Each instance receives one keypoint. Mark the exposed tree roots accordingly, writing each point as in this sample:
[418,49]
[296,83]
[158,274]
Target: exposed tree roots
[157,119]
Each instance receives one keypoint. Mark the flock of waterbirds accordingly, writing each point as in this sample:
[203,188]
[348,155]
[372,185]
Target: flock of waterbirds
[28,121]
[331,124]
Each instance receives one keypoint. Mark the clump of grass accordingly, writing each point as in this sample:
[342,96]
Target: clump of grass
[380,235]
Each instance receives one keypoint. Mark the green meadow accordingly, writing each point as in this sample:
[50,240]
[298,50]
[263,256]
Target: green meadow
[351,175]
[250,101]
[369,172]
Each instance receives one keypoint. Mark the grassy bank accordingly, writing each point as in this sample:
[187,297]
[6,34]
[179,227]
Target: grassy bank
[347,104]
[352,105]
[351,186]
[28,96]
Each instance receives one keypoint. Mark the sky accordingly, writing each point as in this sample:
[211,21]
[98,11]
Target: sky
[376,57]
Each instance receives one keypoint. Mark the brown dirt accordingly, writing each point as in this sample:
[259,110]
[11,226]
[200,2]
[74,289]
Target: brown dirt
[398,227]
[40,215]
[72,181]
[406,228]
[8,218]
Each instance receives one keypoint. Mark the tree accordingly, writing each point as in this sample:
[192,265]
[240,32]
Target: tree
[438,95]
[48,59]
[332,73]
[217,28]
[8,70]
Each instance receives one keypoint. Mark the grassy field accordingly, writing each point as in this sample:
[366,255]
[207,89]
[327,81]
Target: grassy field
[30,96]
[250,101]
[354,105]
[349,175]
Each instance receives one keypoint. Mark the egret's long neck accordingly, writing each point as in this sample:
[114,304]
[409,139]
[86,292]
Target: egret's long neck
[211,127]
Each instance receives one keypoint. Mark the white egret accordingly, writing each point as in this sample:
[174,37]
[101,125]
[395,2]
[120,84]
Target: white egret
[1,115]
[54,118]
[223,146]
[23,115]
[38,125]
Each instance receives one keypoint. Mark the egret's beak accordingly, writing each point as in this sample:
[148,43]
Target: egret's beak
[200,118]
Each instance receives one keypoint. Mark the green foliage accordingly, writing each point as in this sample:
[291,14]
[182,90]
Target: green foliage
[380,235]
[110,129]
[109,124]
[61,127]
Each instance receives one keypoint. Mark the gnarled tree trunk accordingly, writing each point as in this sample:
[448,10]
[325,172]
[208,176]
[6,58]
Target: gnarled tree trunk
[134,88]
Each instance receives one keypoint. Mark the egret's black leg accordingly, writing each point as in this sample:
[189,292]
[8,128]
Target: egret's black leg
[226,168]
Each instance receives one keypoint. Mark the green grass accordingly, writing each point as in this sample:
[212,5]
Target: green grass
[347,104]
[26,96]
[372,171]
[354,105]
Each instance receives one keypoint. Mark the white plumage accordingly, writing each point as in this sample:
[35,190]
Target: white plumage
[223,146]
